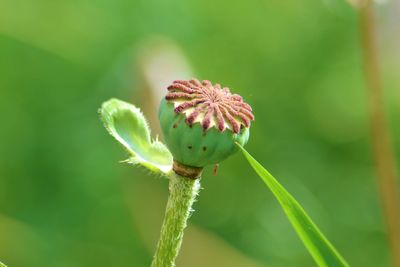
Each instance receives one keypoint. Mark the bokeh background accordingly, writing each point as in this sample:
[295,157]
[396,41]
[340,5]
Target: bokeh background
[66,201]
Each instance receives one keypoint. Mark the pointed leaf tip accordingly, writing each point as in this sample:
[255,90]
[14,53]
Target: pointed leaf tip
[315,242]
[127,125]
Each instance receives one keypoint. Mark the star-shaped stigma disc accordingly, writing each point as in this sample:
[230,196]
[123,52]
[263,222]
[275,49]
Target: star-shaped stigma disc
[210,105]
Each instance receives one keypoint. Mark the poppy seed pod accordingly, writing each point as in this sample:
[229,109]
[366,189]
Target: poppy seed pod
[201,124]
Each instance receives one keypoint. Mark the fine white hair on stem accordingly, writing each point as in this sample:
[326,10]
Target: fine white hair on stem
[182,194]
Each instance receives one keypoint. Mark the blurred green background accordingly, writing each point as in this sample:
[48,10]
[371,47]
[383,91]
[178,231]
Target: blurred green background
[65,200]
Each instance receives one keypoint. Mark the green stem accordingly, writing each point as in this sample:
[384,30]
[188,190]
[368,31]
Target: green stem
[183,192]
[384,157]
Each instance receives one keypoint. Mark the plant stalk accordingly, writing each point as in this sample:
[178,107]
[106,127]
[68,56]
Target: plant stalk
[183,192]
[382,148]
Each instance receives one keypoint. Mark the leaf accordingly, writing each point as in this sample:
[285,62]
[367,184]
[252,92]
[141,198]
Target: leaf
[2,264]
[127,124]
[316,243]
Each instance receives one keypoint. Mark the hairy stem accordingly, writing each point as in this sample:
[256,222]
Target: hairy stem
[380,138]
[183,192]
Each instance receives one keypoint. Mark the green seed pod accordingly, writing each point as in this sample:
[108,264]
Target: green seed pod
[202,122]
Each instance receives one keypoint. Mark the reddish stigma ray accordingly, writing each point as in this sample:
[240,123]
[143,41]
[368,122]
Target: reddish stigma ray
[211,103]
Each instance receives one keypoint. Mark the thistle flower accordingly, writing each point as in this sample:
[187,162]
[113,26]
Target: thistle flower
[201,122]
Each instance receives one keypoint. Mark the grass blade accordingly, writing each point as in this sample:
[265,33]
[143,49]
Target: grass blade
[316,243]
[2,264]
